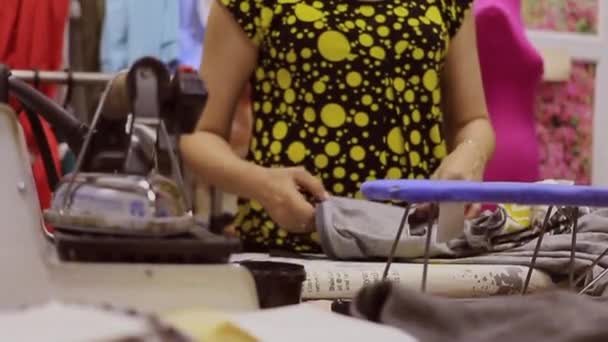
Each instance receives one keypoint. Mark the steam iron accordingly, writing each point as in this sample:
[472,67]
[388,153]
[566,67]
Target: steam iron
[128,183]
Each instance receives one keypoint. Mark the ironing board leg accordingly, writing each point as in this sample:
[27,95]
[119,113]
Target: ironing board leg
[590,268]
[543,228]
[574,217]
[593,281]
[427,250]
[396,242]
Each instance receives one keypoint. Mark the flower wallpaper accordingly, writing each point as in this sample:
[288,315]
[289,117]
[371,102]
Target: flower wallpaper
[565,109]
[564,125]
[561,15]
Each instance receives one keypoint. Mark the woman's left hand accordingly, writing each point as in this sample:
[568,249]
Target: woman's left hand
[466,162]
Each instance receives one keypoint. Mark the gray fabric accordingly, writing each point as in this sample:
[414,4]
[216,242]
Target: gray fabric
[550,316]
[358,229]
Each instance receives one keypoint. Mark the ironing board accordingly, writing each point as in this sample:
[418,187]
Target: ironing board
[429,191]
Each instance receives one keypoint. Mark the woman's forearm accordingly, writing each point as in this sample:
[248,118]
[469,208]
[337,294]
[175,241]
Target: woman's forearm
[212,159]
[478,132]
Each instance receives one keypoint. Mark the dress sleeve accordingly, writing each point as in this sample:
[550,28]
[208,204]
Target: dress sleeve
[456,12]
[254,16]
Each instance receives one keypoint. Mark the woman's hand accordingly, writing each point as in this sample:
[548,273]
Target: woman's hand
[283,195]
[466,162]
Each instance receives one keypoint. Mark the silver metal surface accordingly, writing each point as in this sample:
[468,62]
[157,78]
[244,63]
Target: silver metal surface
[77,77]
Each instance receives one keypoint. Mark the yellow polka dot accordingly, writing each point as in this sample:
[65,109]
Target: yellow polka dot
[360,23]
[266,15]
[354,177]
[307,13]
[413,22]
[433,14]
[415,137]
[435,134]
[333,46]
[436,96]
[333,115]
[401,46]
[357,153]
[401,11]
[282,233]
[416,115]
[377,52]
[367,10]
[306,53]
[415,80]
[322,131]
[306,67]
[259,74]
[366,40]
[291,57]
[265,141]
[332,148]
[296,151]
[361,119]
[380,18]
[383,31]
[319,25]
[255,205]
[244,6]
[291,19]
[309,114]
[279,131]
[353,79]
[339,172]
[318,87]
[309,97]
[342,7]
[267,107]
[283,78]
[338,188]
[257,155]
[275,147]
[399,84]
[290,96]
[266,87]
[366,99]
[321,161]
[409,96]
[418,54]
[394,173]
[414,158]
[395,140]
[439,151]
[430,80]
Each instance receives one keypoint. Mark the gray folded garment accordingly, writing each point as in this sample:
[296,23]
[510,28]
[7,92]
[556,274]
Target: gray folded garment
[359,229]
[555,316]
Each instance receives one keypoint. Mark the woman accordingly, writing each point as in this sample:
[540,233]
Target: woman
[343,91]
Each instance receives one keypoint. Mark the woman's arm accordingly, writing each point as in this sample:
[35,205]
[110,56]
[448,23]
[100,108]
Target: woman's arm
[229,59]
[466,114]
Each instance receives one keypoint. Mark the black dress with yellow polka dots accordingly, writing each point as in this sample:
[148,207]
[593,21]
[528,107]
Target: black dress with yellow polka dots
[349,90]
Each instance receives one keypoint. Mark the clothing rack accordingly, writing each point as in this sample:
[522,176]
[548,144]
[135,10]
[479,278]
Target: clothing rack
[63,77]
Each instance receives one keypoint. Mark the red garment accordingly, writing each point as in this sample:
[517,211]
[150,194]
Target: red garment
[31,37]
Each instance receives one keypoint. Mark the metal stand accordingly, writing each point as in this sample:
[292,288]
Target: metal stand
[396,242]
[536,249]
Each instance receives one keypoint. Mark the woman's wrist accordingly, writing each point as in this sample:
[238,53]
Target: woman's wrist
[476,148]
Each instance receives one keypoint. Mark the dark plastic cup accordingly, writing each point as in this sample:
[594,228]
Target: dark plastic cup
[277,283]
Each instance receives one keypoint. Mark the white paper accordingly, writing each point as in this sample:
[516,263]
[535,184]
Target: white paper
[305,323]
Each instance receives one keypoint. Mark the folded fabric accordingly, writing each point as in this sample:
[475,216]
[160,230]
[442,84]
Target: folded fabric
[549,316]
[357,229]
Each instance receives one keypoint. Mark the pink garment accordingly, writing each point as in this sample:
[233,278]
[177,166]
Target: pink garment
[512,71]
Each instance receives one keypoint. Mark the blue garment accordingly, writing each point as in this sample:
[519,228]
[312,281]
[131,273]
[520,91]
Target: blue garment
[191,33]
[136,28]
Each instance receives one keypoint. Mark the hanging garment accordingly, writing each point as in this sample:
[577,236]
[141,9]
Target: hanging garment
[31,37]
[134,29]
[556,316]
[193,16]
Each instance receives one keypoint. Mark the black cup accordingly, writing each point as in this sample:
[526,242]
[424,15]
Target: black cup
[277,283]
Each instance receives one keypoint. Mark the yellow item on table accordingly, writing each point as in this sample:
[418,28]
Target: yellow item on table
[518,217]
[208,326]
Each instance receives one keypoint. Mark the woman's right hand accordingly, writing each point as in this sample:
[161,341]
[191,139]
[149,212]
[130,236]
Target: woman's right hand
[283,196]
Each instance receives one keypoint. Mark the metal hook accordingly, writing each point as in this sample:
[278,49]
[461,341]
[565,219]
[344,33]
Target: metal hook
[536,249]
[396,242]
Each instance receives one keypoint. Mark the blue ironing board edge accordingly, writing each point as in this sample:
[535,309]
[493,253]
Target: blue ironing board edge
[425,191]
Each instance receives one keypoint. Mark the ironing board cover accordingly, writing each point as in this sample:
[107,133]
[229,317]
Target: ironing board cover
[421,191]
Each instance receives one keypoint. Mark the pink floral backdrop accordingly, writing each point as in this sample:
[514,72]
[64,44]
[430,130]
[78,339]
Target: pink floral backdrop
[565,109]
